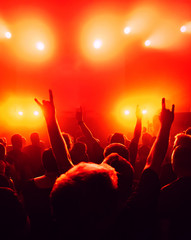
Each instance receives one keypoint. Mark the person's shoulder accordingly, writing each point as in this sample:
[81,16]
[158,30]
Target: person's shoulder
[29,186]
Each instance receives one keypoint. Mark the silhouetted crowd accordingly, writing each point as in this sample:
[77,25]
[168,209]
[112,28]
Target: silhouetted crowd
[78,189]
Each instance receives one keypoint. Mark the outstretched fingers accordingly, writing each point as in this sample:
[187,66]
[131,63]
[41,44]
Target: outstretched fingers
[51,96]
[163,104]
[173,106]
[37,101]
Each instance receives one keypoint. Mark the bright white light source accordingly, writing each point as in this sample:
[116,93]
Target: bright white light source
[147,43]
[127,30]
[36,113]
[183,29]
[97,43]
[40,46]
[8,35]
[20,113]
[126,112]
[144,111]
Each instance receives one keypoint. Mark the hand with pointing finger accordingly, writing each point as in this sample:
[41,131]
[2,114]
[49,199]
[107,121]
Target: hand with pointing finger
[166,116]
[58,143]
[47,107]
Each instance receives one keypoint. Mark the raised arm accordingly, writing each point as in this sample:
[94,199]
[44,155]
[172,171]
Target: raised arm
[160,146]
[133,147]
[85,130]
[58,143]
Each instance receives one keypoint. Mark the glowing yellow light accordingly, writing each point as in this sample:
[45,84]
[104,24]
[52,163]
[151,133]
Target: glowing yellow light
[183,29]
[40,46]
[36,113]
[34,35]
[127,30]
[103,26]
[8,35]
[126,112]
[97,43]
[147,43]
[20,113]
[144,112]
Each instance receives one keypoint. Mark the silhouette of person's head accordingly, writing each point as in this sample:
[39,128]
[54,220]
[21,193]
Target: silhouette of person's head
[119,148]
[84,198]
[35,138]
[17,141]
[147,139]
[49,161]
[181,155]
[125,173]
[79,153]
[188,131]
[3,140]
[2,167]
[118,138]
[2,151]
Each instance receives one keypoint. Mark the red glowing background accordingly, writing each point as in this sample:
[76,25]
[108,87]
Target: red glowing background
[106,81]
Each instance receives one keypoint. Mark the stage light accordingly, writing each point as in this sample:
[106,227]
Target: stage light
[97,43]
[147,43]
[144,112]
[126,112]
[127,30]
[183,29]
[40,46]
[33,36]
[20,113]
[36,113]
[8,35]
[186,28]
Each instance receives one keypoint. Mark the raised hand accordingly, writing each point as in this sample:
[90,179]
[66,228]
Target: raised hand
[138,112]
[47,107]
[166,116]
[160,146]
[57,141]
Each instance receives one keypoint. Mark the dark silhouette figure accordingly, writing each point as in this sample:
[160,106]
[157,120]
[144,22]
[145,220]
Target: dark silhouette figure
[36,198]
[79,153]
[143,152]
[119,148]
[125,174]
[5,181]
[85,198]
[18,163]
[119,138]
[175,198]
[13,219]
[84,201]
[34,152]
[94,149]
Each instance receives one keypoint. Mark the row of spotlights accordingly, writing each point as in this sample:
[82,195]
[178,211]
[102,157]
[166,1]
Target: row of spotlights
[39,45]
[36,113]
[127,112]
[97,43]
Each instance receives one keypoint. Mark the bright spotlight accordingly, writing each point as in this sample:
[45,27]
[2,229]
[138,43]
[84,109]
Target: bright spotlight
[20,113]
[144,112]
[97,43]
[183,29]
[8,35]
[36,113]
[147,43]
[40,46]
[126,112]
[127,30]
